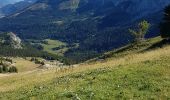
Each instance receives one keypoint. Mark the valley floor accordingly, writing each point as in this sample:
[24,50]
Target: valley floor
[137,76]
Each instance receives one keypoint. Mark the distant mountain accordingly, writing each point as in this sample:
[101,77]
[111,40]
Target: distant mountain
[14,7]
[96,25]
[6,2]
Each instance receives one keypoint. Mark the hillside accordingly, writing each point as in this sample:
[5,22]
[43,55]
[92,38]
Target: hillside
[11,7]
[96,25]
[6,2]
[138,75]
[13,46]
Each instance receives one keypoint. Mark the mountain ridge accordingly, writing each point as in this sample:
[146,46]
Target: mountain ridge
[15,7]
[6,2]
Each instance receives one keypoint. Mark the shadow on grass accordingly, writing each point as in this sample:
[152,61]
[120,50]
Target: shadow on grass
[112,54]
[158,45]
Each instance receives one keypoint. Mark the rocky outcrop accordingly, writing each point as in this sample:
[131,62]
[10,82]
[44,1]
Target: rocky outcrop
[10,40]
[15,41]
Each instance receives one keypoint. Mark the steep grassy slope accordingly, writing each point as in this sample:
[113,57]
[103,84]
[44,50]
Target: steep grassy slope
[138,75]
[132,48]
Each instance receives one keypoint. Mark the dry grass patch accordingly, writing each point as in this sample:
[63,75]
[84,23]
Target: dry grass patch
[25,65]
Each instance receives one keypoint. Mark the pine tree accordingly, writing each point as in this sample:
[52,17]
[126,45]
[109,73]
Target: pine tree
[165,24]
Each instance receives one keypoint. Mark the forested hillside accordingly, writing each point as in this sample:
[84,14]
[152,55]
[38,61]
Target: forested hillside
[13,46]
[97,26]
[6,2]
[11,7]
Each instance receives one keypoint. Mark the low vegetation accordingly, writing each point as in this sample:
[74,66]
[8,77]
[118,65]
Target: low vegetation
[6,66]
[135,72]
[50,46]
[141,75]
[25,65]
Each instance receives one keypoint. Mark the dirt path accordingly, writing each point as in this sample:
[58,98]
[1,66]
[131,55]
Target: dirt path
[22,73]
[4,75]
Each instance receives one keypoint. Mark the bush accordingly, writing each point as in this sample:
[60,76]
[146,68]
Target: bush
[37,61]
[5,69]
[1,70]
[9,60]
[13,69]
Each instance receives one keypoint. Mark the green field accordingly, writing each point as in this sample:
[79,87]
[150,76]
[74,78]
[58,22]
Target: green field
[53,44]
[142,75]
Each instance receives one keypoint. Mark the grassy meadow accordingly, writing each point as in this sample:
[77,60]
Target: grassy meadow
[140,75]
[53,44]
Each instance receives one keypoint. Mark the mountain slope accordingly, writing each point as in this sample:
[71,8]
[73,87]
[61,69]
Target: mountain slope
[96,25]
[135,76]
[6,2]
[15,7]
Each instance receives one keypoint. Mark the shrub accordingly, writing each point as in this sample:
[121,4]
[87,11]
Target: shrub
[1,70]
[13,69]
[141,31]
[5,69]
